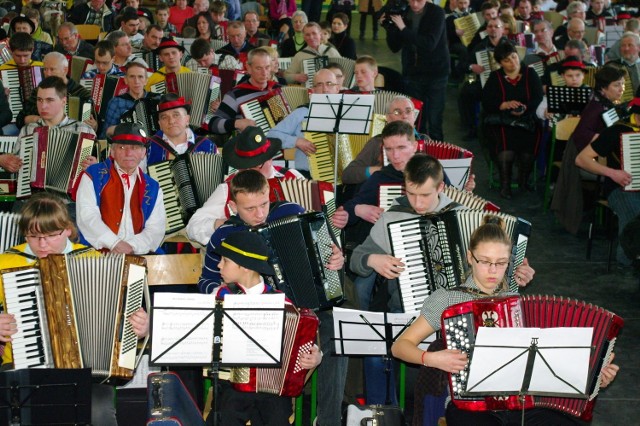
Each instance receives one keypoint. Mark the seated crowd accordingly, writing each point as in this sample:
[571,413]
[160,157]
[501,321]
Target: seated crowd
[134,80]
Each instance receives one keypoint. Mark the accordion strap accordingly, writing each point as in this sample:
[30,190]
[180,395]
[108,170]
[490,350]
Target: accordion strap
[21,253]
[169,148]
[409,209]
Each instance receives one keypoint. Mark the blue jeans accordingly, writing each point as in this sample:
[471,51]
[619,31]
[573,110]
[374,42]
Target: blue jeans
[364,288]
[433,93]
[332,375]
[626,205]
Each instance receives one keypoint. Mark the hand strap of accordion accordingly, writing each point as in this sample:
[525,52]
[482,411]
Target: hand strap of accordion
[158,140]
[21,253]
[81,250]
[472,291]
[408,209]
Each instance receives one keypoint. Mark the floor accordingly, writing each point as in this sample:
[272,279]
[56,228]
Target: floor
[559,259]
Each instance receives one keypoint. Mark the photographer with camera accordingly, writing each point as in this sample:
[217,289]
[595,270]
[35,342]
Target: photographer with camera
[419,31]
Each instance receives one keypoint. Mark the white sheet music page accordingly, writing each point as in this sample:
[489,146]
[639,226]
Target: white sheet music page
[260,316]
[354,336]
[504,352]
[174,315]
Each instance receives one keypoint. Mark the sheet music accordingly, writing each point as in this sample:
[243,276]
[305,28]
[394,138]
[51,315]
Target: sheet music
[457,170]
[265,326]
[357,110]
[171,323]
[355,337]
[565,349]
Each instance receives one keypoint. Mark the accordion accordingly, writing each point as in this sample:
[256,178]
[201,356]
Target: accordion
[72,312]
[630,158]
[168,398]
[168,85]
[9,231]
[202,90]
[7,180]
[311,66]
[21,82]
[79,108]
[300,331]
[295,96]
[266,110]
[145,112]
[187,181]
[151,58]
[434,250]
[300,246]
[59,155]
[104,88]
[461,321]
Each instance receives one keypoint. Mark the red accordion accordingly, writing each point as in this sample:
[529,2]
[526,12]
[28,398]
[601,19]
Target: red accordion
[300,330]
[460,324]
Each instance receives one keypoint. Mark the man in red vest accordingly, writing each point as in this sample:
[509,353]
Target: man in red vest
[118,207]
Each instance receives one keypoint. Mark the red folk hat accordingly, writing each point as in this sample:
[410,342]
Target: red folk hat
[173,101]
[169,43]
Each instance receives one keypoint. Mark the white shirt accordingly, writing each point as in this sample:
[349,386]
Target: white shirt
[201,225]
[99,235]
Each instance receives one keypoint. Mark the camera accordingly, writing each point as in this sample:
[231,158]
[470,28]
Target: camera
[393,7]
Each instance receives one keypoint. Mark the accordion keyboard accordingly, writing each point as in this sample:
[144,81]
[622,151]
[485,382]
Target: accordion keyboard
[162,173]
[253,111]
[408,244]
[321,162]
[27,146]
[23,297]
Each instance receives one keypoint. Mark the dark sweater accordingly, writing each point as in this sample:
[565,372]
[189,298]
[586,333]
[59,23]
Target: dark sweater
[345,45]
[424,52]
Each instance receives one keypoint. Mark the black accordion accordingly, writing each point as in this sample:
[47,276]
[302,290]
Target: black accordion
[434,250]
[187,181]
[300,247]
[460,326]
[144,112]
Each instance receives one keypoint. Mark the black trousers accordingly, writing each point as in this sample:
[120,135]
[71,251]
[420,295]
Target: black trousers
[532,417]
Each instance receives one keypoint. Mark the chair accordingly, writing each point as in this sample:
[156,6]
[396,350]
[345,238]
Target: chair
[88,32]
[288,154]
[555,18]
[604,215]
[562,130]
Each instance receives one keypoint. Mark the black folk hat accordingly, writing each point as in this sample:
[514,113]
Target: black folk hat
[247,249]
[250,149]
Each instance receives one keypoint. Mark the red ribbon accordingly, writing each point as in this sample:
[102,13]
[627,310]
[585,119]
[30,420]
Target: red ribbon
[126,178]
[573,64]
[254,152]
[134,138]
[180,102]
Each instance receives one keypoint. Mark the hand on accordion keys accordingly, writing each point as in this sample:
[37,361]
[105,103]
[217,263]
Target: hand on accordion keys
[388,266]
[305,146]
[8,327]
[609,372]
[89,161]
[140,323]
[336,261]
[448,360]
[11,163]
[311,359]
[471,183]
[340,218]
[369,213]
[524,273]
[620,177]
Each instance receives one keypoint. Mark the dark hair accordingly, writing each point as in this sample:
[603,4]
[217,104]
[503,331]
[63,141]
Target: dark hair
[21,41]
[162,6]
[335,65]
[503,50]
[45,213]
[103,47]
[115,36]
[56,83]
[217,7]
[422,167]
[341,16]
[608,74]
[153,27]
[398,128]
[200,48]
[489,5]
[248,181]
[209,19]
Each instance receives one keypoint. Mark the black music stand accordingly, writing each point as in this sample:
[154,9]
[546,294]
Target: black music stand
[45,396]
[203,333]
[530,361]
[340,113]
[567,100]
[371,333]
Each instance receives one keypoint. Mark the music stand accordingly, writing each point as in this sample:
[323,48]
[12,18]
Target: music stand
[567,100]
[45,396]
[371,333]
[530,361]
[340,113]
[189,326]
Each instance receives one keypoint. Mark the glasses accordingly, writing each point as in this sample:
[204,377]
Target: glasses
[486,264]
[47,238]
[407,111]
[327,84]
